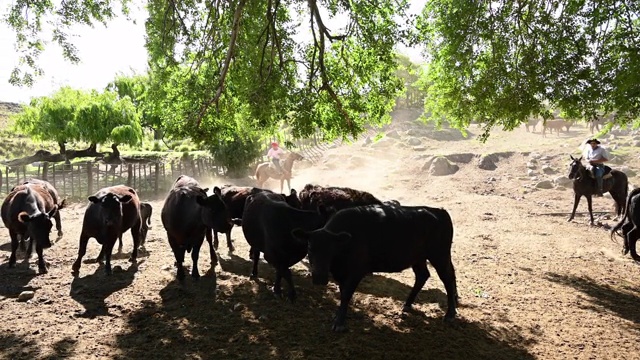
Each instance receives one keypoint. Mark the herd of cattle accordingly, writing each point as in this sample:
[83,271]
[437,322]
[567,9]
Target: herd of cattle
[344,232]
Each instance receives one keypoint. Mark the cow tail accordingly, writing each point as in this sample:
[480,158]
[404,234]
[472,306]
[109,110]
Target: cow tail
[615,229]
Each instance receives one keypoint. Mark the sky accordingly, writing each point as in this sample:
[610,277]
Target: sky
[104,52]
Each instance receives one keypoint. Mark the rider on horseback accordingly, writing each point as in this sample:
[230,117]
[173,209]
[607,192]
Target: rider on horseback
[597,156]
[274,153]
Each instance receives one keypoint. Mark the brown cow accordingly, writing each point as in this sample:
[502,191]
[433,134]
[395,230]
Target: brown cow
[334,197]
[56,200]
[555,124]
[112,211]
[27,213]
[145,216]
[188,215]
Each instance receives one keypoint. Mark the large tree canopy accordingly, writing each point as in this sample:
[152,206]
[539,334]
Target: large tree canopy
[331,63]
[499,62]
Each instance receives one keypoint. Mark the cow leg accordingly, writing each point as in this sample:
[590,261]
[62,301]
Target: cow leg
[212,251]
[107,248]
[277,285]
[42,266]
[216,242]
[447,274]
[120,243]
[255,256]
[229,243]
[135,234]
[590,207]
[178,252]
[346,293]
[195,254]
[29,250]
[58,224]
[82,250]
[14,247]
[576,201]
[422,275]
[21,240]
[632,238]
[286,274]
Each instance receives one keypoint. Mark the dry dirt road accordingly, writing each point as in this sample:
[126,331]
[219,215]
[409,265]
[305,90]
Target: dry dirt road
[531,286]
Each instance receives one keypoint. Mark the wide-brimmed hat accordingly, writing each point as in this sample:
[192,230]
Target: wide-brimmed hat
[592,140]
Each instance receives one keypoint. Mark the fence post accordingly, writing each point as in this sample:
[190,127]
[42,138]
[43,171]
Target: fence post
[157,179]
[45,171]
[72,191]
[90,178]
[129,174]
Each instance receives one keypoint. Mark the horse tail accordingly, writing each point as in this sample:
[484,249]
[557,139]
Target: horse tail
[616,228]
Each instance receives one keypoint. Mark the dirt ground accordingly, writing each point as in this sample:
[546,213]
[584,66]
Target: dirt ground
[531,284]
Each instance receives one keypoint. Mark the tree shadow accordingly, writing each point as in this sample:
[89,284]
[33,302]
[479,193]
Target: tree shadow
[623,302]
[62,349]
[92,290]
[15,280]
[240,321]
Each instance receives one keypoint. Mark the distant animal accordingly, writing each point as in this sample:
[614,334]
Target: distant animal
[630,225]
[614,182]
[189,215]
[532,123]
[264,171]
[555,124]
[235,198]
[596,125]
[379,238]
[267,223]
[27,212]
[335,197]
[56,200]
[111,212]
[145,215]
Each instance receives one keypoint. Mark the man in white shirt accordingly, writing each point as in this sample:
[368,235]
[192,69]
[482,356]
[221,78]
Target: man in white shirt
[274,153]
[597,156]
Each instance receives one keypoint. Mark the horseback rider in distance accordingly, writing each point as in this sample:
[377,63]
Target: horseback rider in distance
[274,153]
[597,156]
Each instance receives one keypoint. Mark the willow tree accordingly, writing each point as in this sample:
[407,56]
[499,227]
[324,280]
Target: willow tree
[499,62]
[332,62]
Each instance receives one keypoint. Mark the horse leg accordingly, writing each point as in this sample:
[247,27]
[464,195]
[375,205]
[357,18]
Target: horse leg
[589,205]
[281,184]
[576,201]
[289,184]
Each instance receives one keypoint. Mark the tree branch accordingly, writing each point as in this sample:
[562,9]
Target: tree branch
[227,61]
[323,29]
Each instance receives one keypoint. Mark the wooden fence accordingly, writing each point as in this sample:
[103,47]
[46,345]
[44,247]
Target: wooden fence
[79,180]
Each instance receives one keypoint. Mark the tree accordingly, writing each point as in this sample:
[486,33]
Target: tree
[409,73]
[218,54]
[136,87]
[501,62]
[74,115]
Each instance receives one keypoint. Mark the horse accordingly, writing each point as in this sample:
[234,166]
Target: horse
[614,182]
[264,171]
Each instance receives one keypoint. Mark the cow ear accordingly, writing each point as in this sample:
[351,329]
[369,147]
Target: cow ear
[206,190]
[53,211]
[125,199]
[300,235]
[94,199]
[23,217]
[217,191]
[293,192]
[571,156]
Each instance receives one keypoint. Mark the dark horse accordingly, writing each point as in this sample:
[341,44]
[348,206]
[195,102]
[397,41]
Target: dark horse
[584,184]
[629,225]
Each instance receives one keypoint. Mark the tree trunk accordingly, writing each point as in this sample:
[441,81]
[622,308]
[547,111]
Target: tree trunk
[63,147]
[44,155]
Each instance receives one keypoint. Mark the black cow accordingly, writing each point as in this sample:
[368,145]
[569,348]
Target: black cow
[381,238]
[188,215]
[235,198]
[630,224]
[111,211]
[145,216]
[267,223]
[26,212]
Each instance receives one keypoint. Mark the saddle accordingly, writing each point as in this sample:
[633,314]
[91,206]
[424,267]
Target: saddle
[274,169]
[607,173]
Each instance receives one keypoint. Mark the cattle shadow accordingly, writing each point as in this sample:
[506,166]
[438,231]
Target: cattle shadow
[91,291]
[15,280]
[623,303]
[14,346]
[242,322]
